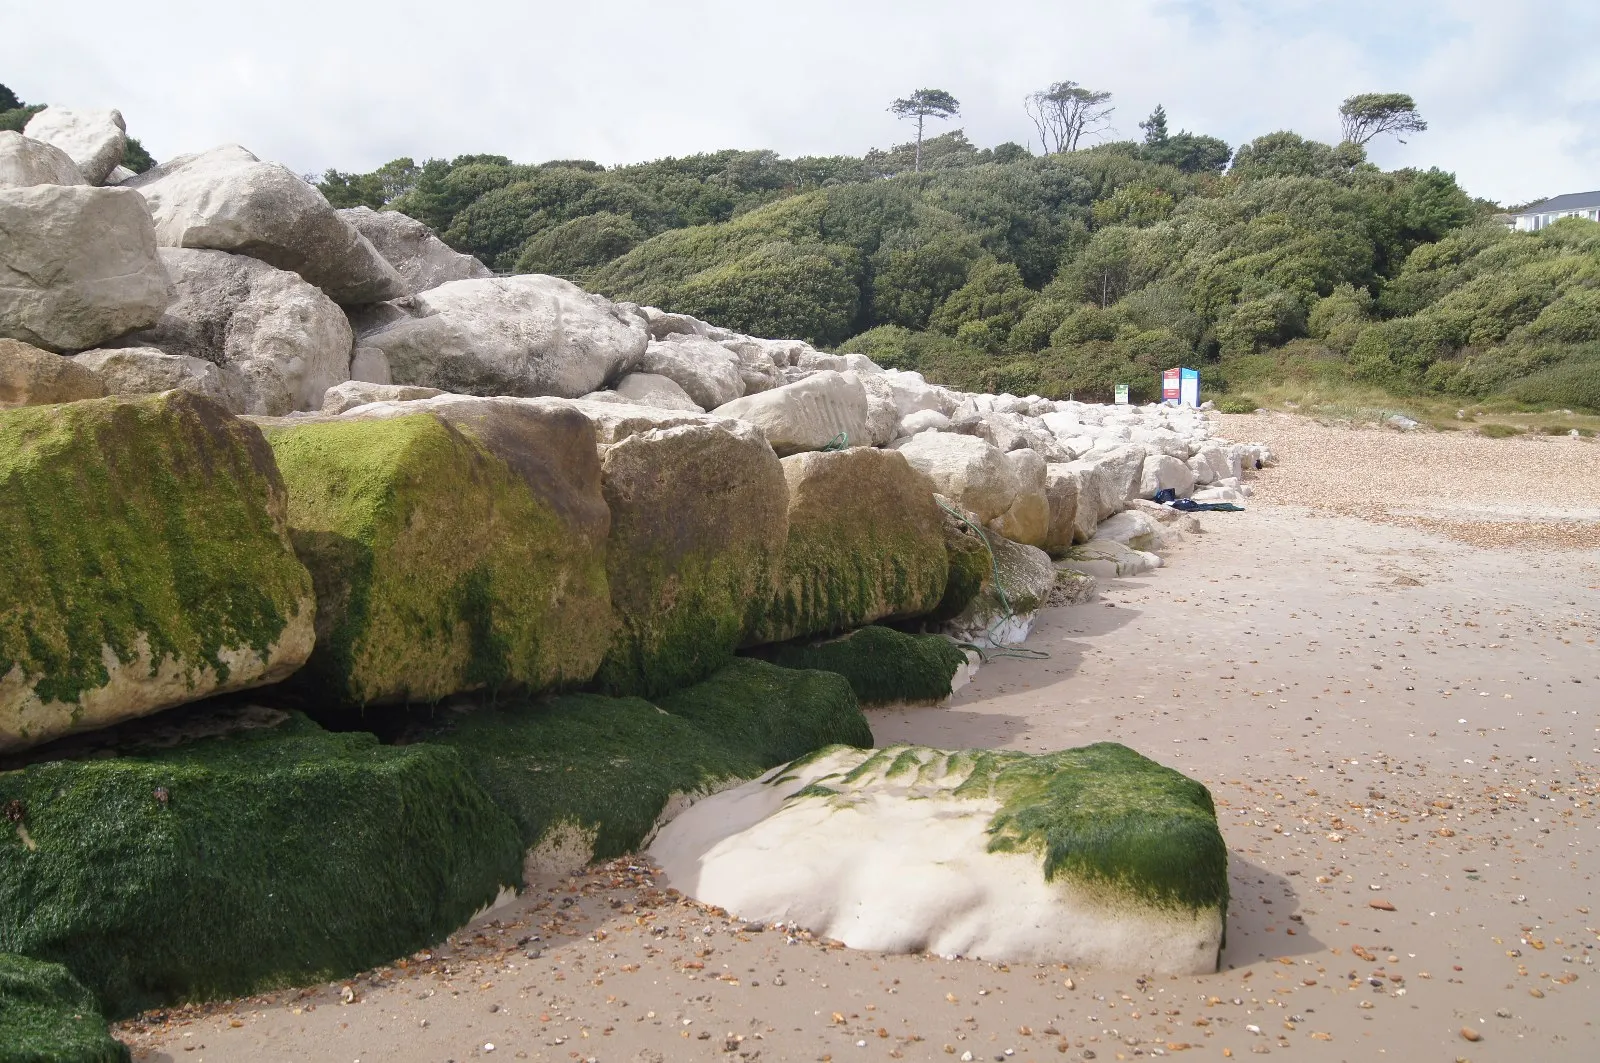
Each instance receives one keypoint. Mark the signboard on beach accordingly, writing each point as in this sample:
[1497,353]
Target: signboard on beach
[1180,387]
[1169,385]
[1122,394]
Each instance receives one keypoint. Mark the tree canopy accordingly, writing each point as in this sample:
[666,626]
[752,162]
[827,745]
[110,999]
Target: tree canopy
[1066,112]
[1371,114]
[922,105]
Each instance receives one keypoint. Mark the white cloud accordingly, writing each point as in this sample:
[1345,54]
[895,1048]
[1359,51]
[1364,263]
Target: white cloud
[1510,101]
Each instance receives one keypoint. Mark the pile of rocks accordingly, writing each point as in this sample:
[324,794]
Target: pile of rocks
[248,439]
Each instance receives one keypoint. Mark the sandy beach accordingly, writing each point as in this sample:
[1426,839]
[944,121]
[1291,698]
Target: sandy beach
[1387,672]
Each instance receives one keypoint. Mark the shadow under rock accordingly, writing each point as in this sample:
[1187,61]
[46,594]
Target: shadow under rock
[1261,911]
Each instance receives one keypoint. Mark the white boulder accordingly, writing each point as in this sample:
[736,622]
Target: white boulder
[226,199]
[25,162]
[814,843]
[1111,478]
[78,265]
[808,414]
[649,389]
[353,393]
[1109,559]
[422,259]
[921,421]
[1162,472]
[529,335]
[282,340]
[707,371]
[94,140]
[1132,528]
[970,471]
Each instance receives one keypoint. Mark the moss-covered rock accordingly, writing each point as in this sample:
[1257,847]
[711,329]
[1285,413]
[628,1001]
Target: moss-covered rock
[587,776]
[1093,856]
[46,1016]
[864,544]
[440,565]
[1017,582]
[698,523]
[883,666]
[966,548]
[145,563]
[229,865]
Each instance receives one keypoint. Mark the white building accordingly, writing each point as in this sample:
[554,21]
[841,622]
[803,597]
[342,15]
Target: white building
[1572,205]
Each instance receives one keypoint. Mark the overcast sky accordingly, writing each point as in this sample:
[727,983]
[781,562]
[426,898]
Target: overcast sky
[1511,91]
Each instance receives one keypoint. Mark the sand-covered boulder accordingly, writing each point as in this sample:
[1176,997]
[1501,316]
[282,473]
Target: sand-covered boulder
[422,259]
[133,576]
[146,370]
[24,162]
[226,199]
[455,545]
[196,867]
[528,335]
[93,139]
[280,342]
[78,266]
[865,543]
[699,518]
[824,408]
[708,372]
[31,377]
[1109,559]
[1094,856]
[47,1016]
[651,389]
[353,393]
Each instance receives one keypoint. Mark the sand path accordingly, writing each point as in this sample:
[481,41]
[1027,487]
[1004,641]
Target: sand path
[1386,717]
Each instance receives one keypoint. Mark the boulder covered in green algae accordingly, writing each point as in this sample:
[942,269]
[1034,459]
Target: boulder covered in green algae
[268,856]
[865,543]
[883,666]
[1094,856]
[698,524]
[145,563]
[46,1016]
[454,548]
[590,777]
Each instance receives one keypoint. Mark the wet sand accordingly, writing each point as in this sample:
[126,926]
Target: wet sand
[1402,733]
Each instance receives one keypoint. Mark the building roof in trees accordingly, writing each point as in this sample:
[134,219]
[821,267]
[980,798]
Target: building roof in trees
[1570,201]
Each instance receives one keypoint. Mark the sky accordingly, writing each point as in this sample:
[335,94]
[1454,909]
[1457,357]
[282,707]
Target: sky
[1511,93]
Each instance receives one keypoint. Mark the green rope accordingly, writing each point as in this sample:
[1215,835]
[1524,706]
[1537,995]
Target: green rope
[838,442]
[989,654]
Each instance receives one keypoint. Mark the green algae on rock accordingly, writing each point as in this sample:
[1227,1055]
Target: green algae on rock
[697,534]
[439,566]
[270,857]
[864,544]
[146,563]
[47,1016]
[1092,856]
[589,777]
[883,666]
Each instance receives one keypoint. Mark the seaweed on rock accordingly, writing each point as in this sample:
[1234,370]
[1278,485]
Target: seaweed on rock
[269,857]
[47,1016]
[883,666]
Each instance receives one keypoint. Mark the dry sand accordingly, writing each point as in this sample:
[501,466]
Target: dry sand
[1403,736]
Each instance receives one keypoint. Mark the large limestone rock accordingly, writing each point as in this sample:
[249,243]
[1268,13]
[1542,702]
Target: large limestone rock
[1027,519]
[281,340]
[1061,489]
[650,389]
[699,518]
[226,199]
[31,377]
[353,393]
[25,162]
[965,469]
[1111,478]
[865,543]
[808,414]
[422,259]
[529,335]
[1095,856]
[78,266]
[1017,581]
[93,139]
[146,370]
[708,372]
[134,577]
[1108,559]
[1162,472]
[456,544]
